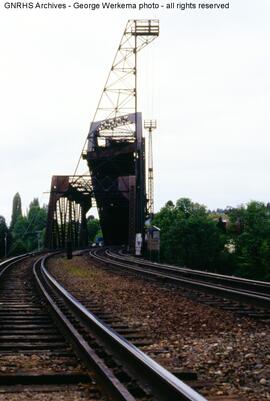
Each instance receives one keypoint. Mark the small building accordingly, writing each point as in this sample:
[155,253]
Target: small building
[152,239]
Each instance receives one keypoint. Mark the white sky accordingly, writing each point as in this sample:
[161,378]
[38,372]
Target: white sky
[206,80]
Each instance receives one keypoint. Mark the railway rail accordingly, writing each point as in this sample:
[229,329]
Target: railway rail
[244,291]
[35,356]
[222,351]
[9,262]
[41,319]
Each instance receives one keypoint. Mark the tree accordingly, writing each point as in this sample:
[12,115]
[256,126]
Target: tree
[19,247]
[189,236]
[193,237]
[5,238]
[250,230]
[16,210]
[36,219]
[28,231]
[93,227]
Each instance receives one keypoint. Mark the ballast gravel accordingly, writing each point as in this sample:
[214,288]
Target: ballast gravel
[230,354]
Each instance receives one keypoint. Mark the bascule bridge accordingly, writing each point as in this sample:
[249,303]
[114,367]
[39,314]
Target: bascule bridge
[115,155]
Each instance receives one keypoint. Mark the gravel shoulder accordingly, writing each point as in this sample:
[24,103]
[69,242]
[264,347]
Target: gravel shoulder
[231,352]
[63,395]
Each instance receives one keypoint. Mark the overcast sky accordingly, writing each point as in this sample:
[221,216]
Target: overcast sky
[206,80]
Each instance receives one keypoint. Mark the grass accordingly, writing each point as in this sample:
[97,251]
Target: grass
[75,271]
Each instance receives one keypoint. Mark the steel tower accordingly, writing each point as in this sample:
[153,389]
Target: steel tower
[115,149]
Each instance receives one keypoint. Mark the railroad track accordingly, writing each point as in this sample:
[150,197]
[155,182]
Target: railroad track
[51,342]
[34,354]
[242,296]
[9,262]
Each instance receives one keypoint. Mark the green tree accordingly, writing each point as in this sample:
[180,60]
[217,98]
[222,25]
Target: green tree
[250,230]
[16,210]
[19,247]
[36,219]
[20,228]
[5,238]
[93,227]
[28,231]
[189,236]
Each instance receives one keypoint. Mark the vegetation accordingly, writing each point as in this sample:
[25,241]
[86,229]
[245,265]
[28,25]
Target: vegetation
[5,238]
[16,210]
[93,227]
[197,238]
[25,233]
[249,231]
[28,231]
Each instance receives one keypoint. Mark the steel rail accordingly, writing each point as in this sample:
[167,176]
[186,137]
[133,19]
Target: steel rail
[116,391]
[84,351]
[164,385]
[251,297]
[6,264]
[239,282]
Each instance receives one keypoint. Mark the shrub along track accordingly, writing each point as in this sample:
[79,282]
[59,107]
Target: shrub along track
[230,354]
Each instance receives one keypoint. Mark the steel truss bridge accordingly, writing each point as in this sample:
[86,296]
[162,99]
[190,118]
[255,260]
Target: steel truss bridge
[115,155]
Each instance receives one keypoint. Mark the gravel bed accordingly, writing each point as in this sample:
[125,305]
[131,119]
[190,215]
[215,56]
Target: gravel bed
[65,395]
[45,364]
[230,352]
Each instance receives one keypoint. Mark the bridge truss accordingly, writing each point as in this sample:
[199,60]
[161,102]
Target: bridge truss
[70,199]
[115,154]
[115,150]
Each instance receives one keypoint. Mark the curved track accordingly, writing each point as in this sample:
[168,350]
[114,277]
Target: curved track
[123,371]
[35,355]
[242,290]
